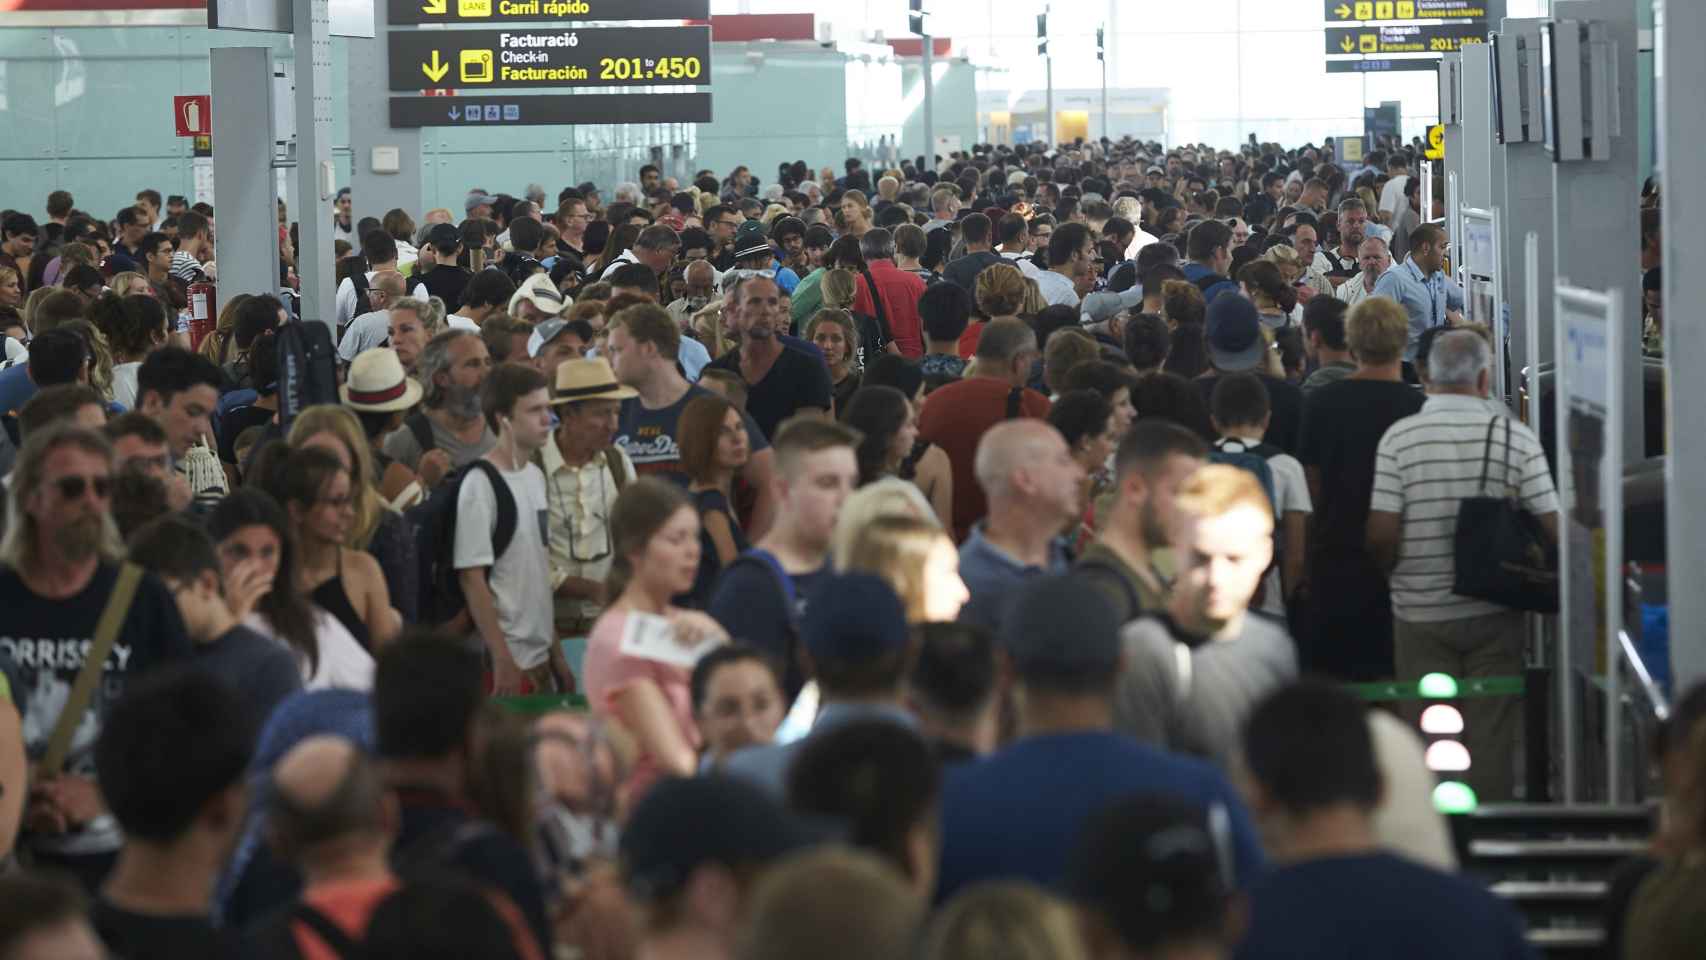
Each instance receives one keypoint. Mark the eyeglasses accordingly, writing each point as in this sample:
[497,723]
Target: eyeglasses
[73,487]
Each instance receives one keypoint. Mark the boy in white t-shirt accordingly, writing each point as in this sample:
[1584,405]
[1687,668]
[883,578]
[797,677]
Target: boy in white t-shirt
[1241,411]
[509,592]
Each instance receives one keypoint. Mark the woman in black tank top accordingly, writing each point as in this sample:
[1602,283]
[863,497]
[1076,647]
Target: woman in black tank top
[316,491]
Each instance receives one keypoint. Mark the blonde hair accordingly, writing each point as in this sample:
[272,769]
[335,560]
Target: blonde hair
[707,326]
[1034,302]
[1377,331]
[129,282]
[896,548]
[1285,257]
[1218,489]
[341,423]
[838,288]
[1001,291]
[888,497]
[1004,921]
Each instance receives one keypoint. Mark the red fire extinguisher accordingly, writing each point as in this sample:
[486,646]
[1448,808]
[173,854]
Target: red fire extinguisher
[204,308]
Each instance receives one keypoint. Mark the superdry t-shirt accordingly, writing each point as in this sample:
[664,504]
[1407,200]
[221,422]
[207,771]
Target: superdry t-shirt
[648,436]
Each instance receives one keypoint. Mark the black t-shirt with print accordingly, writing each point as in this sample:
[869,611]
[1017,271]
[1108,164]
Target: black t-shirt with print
[48,639]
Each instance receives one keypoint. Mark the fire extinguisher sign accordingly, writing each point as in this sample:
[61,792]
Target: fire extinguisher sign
[192,115]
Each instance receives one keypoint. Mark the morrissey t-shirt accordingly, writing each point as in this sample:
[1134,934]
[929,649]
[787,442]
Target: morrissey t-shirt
[48,640]
[648,436]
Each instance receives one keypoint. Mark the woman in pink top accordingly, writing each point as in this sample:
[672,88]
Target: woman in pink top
[655,556]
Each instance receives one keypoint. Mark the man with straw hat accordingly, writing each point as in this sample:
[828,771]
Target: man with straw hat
[380,394]
[584,473]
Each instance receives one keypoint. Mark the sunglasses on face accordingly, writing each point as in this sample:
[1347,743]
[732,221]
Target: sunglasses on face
[73,487]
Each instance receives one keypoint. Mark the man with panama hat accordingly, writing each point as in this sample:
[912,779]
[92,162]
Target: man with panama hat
[380,394]
[584,473]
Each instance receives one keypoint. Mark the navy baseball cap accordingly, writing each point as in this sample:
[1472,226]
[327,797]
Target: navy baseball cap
[682,824]
[1234,333]
[853,617]
[1061,624]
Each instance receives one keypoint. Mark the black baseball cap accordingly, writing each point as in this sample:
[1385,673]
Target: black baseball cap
[1156,870]
[682,824]
[1061,624]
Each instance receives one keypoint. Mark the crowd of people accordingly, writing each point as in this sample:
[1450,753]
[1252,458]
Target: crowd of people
[985,543]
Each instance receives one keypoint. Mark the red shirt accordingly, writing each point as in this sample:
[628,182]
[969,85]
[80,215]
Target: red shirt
[900,291]
[969,339]
[955,418]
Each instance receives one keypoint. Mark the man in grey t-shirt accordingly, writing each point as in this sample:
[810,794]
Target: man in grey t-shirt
[447,432]
[1194,672]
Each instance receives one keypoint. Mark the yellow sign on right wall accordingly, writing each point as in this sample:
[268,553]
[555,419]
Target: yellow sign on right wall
[1436,142]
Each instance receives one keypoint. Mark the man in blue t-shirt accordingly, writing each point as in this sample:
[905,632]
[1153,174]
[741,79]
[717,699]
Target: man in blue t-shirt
[758,598]
[1020,812]
[1333,892]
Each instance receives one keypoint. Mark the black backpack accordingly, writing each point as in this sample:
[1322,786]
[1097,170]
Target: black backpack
[307,369]
[433,522]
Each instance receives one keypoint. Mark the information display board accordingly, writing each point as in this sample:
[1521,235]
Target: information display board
[535,111]
[502,12]
[1385,36]
[531,59]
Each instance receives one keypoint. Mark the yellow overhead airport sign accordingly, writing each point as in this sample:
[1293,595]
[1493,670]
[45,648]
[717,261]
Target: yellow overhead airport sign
[1436,143]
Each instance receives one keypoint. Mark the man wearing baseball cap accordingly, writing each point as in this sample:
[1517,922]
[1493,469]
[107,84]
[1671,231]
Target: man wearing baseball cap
[1235,345]
[691,855]
[1018,812]
[478,206]
[753,252]
[446,279]
[860,650]
[557,340]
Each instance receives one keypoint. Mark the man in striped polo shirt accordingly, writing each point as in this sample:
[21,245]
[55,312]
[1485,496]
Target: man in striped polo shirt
[1426,466]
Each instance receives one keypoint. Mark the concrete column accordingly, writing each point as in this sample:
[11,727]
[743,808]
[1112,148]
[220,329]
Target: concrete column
[1680,76]
[246,230]
[315,174]
[1597,231]
[1526,206]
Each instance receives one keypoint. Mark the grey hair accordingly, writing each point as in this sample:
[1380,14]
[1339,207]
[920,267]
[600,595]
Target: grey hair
[435,359]
[877,244]
[421,309]
[628,192]
[19,547]
[1458,359]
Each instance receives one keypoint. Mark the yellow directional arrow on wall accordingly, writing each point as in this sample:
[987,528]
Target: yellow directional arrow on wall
[436,70]
[1343,11]
[1347,44]
[435,6]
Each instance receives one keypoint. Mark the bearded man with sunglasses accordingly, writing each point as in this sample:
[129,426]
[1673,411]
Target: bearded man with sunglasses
[59,568]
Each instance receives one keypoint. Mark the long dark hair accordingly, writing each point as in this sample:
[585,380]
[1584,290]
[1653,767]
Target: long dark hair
[877,413]
[285,609]
[305,474]
[640,512]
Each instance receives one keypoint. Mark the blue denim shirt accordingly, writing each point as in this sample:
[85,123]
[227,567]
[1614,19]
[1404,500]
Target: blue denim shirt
[991,575]
[1425,298]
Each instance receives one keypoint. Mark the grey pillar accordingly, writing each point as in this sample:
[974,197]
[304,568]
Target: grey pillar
[246,234]
[1681,75]
[1597,231]
[1450,114]
[1475,177]
[316,176]
[1527,207]
[374,193]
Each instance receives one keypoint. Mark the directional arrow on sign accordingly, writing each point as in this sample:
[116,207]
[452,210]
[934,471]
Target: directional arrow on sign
[436,70]
[1347,45]
[1343,11]
[436,7]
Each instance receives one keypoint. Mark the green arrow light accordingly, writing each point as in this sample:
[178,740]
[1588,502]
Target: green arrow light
[1437,686]
[1453,796]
